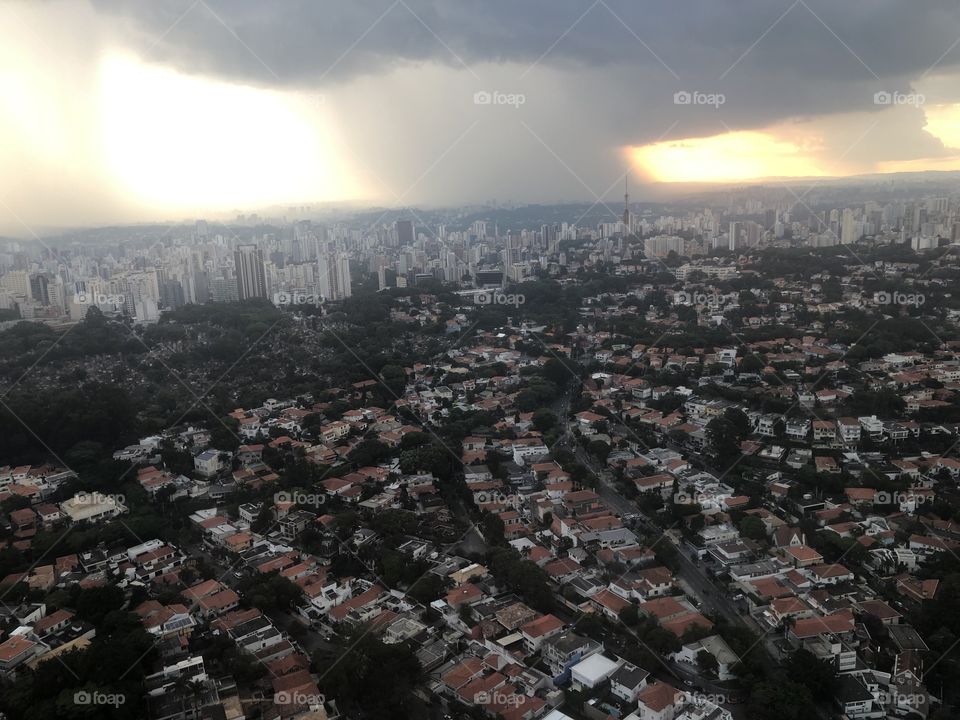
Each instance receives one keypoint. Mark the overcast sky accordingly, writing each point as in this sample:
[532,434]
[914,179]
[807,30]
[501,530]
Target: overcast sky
[116,111]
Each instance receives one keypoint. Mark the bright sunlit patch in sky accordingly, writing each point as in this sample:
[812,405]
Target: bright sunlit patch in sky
[943,122]
[187,142]
[741,155]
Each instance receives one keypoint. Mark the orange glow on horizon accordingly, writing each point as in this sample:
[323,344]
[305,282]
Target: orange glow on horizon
[732,156]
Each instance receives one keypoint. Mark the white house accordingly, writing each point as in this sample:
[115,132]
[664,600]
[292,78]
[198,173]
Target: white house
[208,463]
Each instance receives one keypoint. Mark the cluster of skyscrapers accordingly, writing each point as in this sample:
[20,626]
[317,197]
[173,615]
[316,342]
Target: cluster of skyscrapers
[286,262]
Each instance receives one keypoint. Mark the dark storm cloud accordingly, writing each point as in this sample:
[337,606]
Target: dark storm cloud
[305,41]
[772,59]
[301,41]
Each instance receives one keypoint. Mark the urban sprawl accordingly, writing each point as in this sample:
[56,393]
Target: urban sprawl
[678,463]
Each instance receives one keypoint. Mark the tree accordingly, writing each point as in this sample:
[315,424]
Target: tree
[707,662]
[629,616]
[369,452]
[788,622]
[599,448]
[780,700]
[371,678]
[394,378]
[738,418]
[752,527]
[93,604]
[270,592]
[521,576]
[263,520]
[427,588]
[817,676]
[492,529]
[724,437]
[751,364]
[544,420]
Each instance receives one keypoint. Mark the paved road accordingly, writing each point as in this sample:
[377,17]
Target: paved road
[713,599]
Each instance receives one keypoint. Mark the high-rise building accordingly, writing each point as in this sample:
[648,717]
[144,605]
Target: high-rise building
[171,294]
[626,204]
[223,289]
[405,234]
[38,288]
[18,283]
[56,292]
[251,276]
[139,299]
[335,276]
[849,230]
[733,237]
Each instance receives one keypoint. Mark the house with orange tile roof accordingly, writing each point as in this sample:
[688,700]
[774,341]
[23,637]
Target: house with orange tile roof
[840,623]
[801,555]
[657,701]
[537,631]
[19,649]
